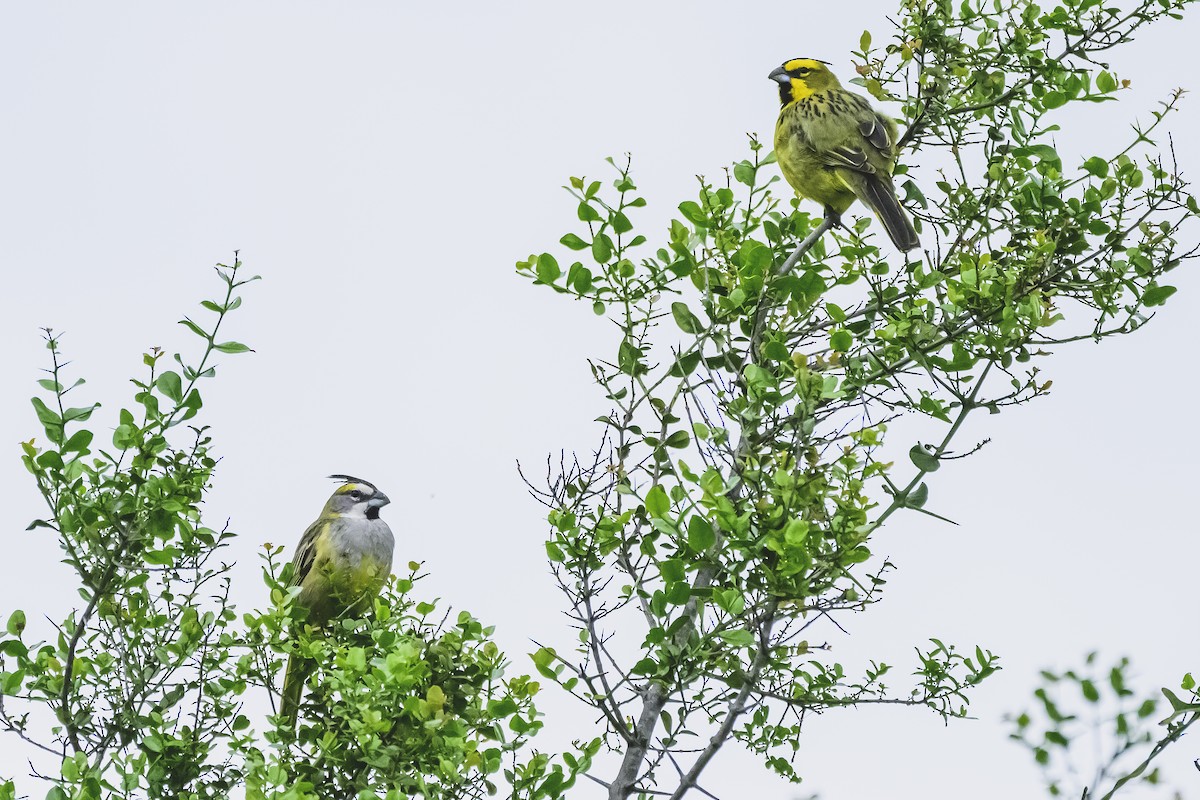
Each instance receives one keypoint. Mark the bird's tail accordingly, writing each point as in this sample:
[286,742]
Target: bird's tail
[880,197]
[293,684]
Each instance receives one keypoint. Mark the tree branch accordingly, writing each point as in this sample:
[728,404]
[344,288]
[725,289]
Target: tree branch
[737,706]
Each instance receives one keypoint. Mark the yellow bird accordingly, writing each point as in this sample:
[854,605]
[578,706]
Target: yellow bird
[834,148]
[341,563]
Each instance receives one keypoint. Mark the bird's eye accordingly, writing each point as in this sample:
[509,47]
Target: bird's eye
[802,72]
[356,495]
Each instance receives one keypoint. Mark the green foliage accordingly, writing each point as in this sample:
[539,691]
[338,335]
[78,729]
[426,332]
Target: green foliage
[118,679]
[143,692]
[402,703]
[1089,723]
[726,518]
[760,356]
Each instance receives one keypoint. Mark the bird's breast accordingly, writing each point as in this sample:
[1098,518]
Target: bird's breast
[363,540]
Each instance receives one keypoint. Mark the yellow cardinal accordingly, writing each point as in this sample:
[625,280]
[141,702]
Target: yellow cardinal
[834,148]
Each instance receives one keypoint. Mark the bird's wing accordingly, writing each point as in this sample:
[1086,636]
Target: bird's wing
[306,552]
[854,158]
[876,135]
[876,132]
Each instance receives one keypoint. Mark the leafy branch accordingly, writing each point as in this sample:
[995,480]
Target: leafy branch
[730,504]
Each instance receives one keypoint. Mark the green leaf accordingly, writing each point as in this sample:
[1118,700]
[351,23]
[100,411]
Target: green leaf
[961,361]
[44,414]
[776,351]
[124,436]
[16,623]
[192,403]
[857,555]
[678,439]
[78,443]
[795,533]
[50,460]
[685,364]
[574,242]
[672,570]
[163,557]
[1105,82]
[1156,295]
[685,319]
[602,248]
[700,534]
[737,638]
[805,288]
[1052,100]
[693,213]
[232,347]
[755,258]
[678,593]
[579,277]
[1173,699]
[657,504]
[547,268]
[731,600]
[841,341]
[194,328]
[918,497]
[743,172]
[1044,152]
[1097,166]
[14,648]
[922,459]
[1178,706]
[864,41]
[170,384]
[543,659]
[629,358]
[79,414]
[647,666]
[587,214]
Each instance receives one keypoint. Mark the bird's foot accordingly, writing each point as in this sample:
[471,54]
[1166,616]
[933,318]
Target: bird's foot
[835,219]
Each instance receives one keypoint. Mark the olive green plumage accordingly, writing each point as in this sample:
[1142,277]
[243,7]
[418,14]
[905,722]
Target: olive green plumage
[341,563]
[834,148]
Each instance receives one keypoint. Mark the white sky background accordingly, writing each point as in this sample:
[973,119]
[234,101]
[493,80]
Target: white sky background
[382,167]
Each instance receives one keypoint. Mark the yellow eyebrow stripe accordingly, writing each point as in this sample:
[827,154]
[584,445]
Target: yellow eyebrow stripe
[799,63]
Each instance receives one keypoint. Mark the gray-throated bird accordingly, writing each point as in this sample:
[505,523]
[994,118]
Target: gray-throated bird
[341,563]
[833,147]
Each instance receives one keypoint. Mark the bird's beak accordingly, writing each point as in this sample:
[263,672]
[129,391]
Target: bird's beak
[779,75]
[378,500]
